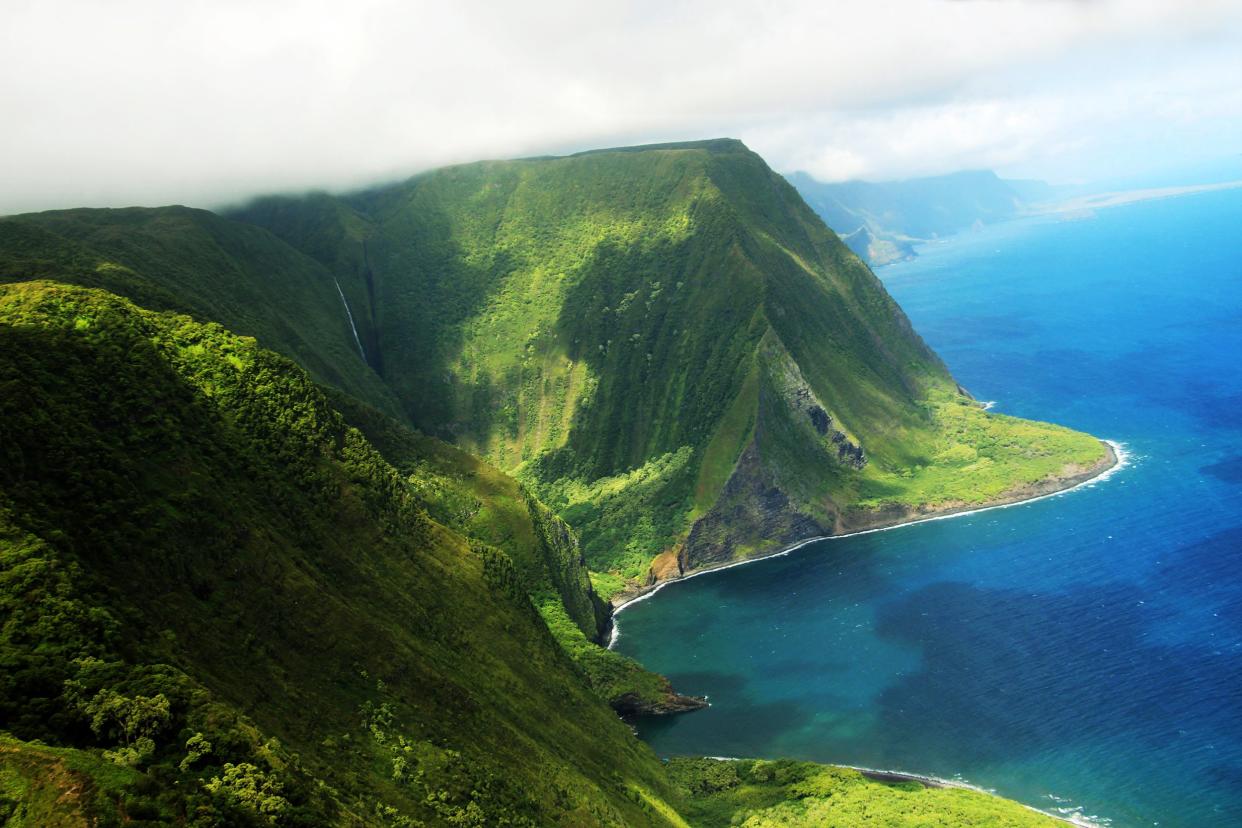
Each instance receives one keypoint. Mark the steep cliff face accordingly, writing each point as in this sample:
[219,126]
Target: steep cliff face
[774,493]
[645,338]
[241,276]
[240,592]
[664,343]
[473,497]
[468,494]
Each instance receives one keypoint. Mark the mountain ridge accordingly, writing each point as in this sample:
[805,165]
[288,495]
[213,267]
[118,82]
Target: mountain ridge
[763,249]
[593,324]
[238,597]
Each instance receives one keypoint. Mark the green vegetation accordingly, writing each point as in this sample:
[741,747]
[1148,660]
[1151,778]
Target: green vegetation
[977,457]
[195,262]
[629,518]
[785,794]
[473,497]
[651,340]
[358,590]
[47,787]
[214,584]
[640,336]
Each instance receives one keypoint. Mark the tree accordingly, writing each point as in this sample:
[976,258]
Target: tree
[246,785]
[133,721]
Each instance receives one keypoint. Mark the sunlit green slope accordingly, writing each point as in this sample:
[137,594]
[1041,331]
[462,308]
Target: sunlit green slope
[209,578]
[784,794]
[668,346]
[663,343]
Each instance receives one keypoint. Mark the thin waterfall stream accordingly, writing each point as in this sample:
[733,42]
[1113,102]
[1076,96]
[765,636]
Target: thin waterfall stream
[350,316]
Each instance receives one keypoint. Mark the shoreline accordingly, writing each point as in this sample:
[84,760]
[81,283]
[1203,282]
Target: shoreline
[937,782]
[1116,459]
[1121,198]
[879,775]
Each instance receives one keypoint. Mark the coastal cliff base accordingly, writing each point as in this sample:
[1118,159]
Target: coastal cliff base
[758,505]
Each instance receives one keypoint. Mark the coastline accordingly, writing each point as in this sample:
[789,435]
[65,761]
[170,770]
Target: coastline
[1119,198]
[879,775]
[937,782]
[1116,458]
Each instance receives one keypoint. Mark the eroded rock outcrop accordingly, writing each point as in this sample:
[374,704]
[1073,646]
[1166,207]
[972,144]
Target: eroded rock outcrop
[670,704]
[769,499]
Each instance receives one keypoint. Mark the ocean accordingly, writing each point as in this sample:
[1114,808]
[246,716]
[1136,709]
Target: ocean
[1082,653]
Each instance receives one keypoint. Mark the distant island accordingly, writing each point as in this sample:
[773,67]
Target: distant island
[1098,201]
[883,221]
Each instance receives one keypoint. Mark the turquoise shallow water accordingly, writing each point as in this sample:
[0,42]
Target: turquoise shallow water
[1081,653]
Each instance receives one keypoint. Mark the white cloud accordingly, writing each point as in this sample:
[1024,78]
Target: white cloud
[145,101]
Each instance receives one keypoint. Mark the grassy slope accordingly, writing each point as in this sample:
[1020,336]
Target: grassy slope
[616,328]
[195,262]
[48,787]
[184,517]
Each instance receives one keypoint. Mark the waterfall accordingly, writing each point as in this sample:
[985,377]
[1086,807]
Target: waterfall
[350,316]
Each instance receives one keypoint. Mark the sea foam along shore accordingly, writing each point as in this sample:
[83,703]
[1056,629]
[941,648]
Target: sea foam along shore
[1072,816]
[1121,458]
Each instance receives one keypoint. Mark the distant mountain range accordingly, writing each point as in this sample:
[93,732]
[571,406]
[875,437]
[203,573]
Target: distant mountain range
[883,221]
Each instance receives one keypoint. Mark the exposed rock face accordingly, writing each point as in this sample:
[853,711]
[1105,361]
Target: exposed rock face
[848,453]
[767,501]
[672,703]
[751,507]
[666,565]
[820,419]
[796,393]
[711,544]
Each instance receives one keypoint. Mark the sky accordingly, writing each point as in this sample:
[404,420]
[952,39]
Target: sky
[207,103]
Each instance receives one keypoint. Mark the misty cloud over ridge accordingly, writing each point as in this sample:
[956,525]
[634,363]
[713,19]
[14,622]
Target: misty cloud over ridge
[143,101]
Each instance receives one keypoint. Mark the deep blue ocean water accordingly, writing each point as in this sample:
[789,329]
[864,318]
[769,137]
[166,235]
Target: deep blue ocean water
[1082,652]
